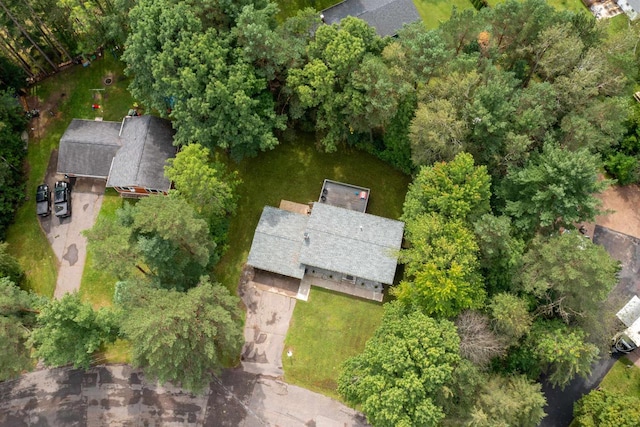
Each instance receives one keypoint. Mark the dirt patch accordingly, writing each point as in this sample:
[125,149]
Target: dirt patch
[622,204]
[49,110]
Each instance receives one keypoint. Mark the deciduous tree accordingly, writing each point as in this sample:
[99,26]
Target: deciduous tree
[403,370]
[9,266]
[606,408]
[69,331]
[456,190]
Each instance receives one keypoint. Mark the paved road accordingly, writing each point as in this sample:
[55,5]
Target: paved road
[625,249]
[118,395]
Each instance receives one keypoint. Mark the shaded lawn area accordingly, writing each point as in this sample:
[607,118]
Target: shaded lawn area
[434,12]
[26,240]
[572,5]
[623,377]
[289,8]
[295,171]
[98,285]
[323,333]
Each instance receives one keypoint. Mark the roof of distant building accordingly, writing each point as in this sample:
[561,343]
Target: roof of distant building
[386,16]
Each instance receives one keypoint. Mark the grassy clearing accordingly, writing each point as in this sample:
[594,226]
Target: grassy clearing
[434,12]
[323,333]
[289,8]
[572,5]
[97,285]
[67,95]
[623,377]
[295,171]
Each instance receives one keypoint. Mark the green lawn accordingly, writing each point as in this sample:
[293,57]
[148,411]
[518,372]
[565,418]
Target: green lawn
[289,8]
[97,285]
[72,94]
[323,333]
[572,5]
[434,12]
[623,377]
[295,171]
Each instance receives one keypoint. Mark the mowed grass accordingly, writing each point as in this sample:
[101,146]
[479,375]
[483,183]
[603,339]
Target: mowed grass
[323,333]
[623,377]
[98,285]
[70,95]
[289,8]
[295,171]
[572,5]
[435,12]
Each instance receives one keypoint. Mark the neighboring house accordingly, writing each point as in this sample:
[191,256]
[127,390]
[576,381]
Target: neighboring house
[386,16]
[330,246]
[130,155]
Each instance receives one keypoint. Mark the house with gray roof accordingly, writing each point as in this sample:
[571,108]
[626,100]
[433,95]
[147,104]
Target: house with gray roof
[386,16]
[332,247]
[130,155]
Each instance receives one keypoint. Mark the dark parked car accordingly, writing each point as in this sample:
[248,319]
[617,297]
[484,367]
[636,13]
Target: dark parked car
[62,199]
[43,196]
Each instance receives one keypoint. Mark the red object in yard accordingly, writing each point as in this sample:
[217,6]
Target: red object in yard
[95,106]
[363,195]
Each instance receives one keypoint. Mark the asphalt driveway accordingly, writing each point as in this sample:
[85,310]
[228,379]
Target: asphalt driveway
[65,234]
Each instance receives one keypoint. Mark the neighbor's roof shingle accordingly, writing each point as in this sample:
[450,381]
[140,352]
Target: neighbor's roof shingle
[386,16]
[353,243]
[276,242]
[87,148]
[140,162]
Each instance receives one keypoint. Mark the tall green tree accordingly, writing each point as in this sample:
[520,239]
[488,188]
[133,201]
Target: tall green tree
[606,408]
[511,317]
[69,331]
[500,251]
[9,266]
[180,337]
[441,274]
[161,237]
[556,189]
[456,190]
[568,275]
[184,65]
[18,310]
[561,351]
[509,401]
[403,370]
[206,186]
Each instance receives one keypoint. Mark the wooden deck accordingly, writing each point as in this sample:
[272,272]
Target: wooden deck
[294,207]
[345,196]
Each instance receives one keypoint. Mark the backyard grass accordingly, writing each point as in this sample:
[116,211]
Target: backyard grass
[323,333]
[289,8]
[97,285]
[623,377]
[295,171]
[572,5]
[67,95]
[434,12]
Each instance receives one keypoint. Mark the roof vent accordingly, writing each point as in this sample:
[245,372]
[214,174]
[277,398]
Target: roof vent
[306,236]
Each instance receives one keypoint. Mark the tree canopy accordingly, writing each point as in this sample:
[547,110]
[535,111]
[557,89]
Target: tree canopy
[403,370]
[182,337]
[69,331]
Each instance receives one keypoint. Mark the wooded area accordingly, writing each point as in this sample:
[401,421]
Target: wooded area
[505,118]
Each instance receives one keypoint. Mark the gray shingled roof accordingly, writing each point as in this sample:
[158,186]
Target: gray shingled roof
[635,5]
[386,16]
[276,242]
[87,148]
[140,161]
[351,242]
